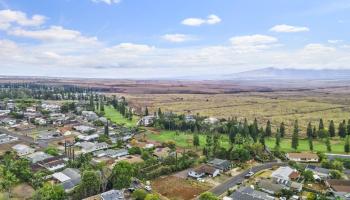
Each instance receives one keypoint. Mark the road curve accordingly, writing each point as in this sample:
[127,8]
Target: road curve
[222,188]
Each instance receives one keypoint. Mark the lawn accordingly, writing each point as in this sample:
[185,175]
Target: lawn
[337,145]
[182,139]
[117,118]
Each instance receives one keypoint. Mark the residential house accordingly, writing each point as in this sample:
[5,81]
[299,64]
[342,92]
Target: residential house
[40,121]
[53,163]
[285,174]
[88,147]
[38,156]
[247,193]
[112,153]
[84,129]
[189,118]
[89,115]
[303,157]
[220,164]
[91,137]
[320,172]
[146,120]
[211,120]
[68,178]
[51,107]
[23,150]
[4,138]
[4,112]
[340,188]
[204,170]
[270,187]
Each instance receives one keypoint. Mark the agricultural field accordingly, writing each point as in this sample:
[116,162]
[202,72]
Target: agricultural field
[286,106]
[116,117]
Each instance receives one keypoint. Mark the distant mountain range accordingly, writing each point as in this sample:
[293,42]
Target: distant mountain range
[292,74]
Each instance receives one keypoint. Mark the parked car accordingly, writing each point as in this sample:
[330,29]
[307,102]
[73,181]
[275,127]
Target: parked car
[250,174]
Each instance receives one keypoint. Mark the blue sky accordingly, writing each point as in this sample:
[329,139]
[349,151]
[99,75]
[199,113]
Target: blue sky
[170,39]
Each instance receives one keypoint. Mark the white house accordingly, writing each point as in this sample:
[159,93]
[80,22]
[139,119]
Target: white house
[303,157]
[22,149]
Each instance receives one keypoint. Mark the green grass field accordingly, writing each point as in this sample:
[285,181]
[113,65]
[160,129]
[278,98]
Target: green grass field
[185,140]
[337,145]
[116,117]
[182,139]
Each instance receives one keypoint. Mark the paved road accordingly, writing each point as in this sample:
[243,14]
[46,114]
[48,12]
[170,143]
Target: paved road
[221,189]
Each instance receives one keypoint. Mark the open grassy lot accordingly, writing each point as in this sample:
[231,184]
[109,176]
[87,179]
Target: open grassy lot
[286,106]
[116,117]
[337,145]
[183,140]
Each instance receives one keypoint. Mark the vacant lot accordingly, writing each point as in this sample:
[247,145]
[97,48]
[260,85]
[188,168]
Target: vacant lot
[178,188]
[286,106]
[183,140]
[117,118]
[319,145]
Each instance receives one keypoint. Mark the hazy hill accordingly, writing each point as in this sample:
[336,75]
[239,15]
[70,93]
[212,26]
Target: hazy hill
[288,73]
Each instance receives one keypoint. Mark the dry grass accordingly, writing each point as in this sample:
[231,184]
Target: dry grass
[177,188]
[274,106]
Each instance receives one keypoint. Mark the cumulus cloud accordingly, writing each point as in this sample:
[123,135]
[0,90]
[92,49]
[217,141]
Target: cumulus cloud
[176,37]
[283,28]
[253,42]
[211,19]
[54,33]
[10,17]
[109,2]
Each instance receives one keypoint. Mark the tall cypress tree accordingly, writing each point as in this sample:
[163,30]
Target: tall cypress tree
[348,128]
[328,145]
[311,146]
[295,136]
[320,125]
[331,129]
[309,130]
[282,129]
[268,130]
[314,132]
[347,145]
[278,139]
[342,130]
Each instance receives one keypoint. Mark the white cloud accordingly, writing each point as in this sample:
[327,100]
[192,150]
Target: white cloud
[334,41]
[211,19]
[54,33]
[176,37]
[256,42]
[109,2]
[9,17]
[283,28]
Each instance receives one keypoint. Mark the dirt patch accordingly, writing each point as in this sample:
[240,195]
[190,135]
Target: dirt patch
[22,191]
[178,188]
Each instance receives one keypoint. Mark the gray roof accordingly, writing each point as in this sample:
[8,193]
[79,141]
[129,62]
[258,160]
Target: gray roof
[113,195]
[247,193]
[74,174]
[268,185]
[317,169]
